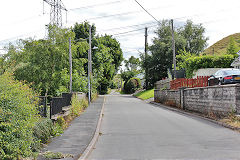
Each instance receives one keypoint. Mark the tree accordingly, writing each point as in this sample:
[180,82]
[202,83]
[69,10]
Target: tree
[126,75]
[232,47]
[43,61]
[115,49]
[160,59]
[81,30]
[188,37]
[194,36]
[132,63]
[105,60]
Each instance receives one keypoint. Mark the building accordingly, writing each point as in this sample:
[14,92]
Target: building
[236,62]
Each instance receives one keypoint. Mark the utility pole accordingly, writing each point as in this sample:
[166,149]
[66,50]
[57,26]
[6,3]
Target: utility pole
[70,64]
[89,65]
[56,11]
[145,51]
[173,49]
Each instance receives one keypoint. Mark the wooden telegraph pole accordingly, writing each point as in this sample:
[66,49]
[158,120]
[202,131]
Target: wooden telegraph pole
[173,49]
[145,51]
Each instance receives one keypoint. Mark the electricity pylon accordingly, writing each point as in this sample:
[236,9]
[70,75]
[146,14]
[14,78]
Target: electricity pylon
[56,11]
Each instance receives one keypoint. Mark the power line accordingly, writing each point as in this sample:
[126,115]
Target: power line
[96,5]
[49,44]
[147,11]
[132,30]
[124,27]
[122,14]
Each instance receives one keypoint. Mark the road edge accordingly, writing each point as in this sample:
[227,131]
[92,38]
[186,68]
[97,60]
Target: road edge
[195,115]
[91,145]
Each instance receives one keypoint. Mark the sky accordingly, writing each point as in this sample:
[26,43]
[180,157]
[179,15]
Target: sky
[124,19]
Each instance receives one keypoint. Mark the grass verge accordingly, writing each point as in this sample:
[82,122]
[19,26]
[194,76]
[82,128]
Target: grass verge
[145,94]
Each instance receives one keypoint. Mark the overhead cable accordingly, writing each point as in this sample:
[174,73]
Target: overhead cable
[96,5]
[146,11]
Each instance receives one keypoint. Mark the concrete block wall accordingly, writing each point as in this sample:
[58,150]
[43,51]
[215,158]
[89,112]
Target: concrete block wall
[216,99]
[167,96]
[163,84]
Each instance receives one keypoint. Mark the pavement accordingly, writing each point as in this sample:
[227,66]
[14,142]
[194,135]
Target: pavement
[79,134]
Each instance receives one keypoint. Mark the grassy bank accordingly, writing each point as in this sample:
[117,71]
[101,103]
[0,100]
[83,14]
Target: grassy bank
[145,94]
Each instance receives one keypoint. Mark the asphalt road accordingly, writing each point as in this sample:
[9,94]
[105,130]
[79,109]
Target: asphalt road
[133,129]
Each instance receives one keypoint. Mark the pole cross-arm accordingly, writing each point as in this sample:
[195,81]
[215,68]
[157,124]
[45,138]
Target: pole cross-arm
[53,3]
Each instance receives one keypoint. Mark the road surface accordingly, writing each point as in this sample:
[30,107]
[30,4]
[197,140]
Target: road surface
[133,129]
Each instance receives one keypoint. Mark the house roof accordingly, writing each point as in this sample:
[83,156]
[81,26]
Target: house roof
[236,62]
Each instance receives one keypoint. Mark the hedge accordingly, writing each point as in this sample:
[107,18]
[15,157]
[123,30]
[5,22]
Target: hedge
[18,116]
[132,85]
[194,63]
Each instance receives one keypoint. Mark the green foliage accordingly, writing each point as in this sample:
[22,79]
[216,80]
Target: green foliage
[116,82]
[220,47]
[18,116]
[232,47]
[188,38]
[160,60]
[115,50]
[44,60]
[194,36]
[77,106]
[181,59]
[132,85]
[194,63]
[82,30]
[127,75]
[44,63]
[132,63]
[145,94]
[45,129]
[58,155]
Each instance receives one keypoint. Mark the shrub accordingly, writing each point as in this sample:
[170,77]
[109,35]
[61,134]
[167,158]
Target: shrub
[194,63]
[18,116]
[132,85]
[77,106]
[46,129]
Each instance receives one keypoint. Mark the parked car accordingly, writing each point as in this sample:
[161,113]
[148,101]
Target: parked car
[225,76]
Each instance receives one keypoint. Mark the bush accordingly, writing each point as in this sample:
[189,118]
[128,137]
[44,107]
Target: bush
[77,106]
[18,116]
[194,63]
[44,130]
[132,85]
[103,87]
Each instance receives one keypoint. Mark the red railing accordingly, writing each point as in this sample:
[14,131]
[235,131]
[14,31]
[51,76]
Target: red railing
[200,81]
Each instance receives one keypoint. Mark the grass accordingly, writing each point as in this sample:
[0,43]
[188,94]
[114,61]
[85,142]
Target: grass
[220,47]
[58,155]
[232,120]
[145,94]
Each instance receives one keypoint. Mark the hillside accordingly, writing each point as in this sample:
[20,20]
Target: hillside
[220,47]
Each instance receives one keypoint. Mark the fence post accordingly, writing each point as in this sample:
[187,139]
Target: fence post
[45,106]
[50,110]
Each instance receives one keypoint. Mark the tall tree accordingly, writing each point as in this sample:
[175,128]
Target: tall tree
[194,36]
[160,59]
[132,63]
[105,60]
[115,49]
[81,30]
[232,47]
[188,37]
[43,60]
